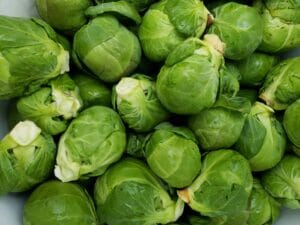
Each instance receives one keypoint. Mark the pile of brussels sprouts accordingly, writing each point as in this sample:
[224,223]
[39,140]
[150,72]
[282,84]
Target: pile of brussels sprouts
[145,112]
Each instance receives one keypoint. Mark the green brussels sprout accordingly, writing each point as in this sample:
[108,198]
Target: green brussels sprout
[189,80]
[222,189]
[264,209]
[262,140]
[56,202]
[283,181]
[229,80]
[52,106]
[157,44]
[282,85]
[27,158]
[92,91]
[29,56]
[106,48]
[64,15]
[255,67]
[140,5]
[250,94]
[281,24]
[168,23]
[173,155]
[239,27]
[137,103]
[291,123]
[211,125]
[93,141]
[130,194]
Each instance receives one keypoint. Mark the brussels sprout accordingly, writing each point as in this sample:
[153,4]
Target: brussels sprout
[211,125]
[137,103]
[239,27]
[92,91]
[282,85]
[27,158]
[168,23]
[263,208]
[291,123]
[189,80]
[140,5]
[29,56]
[222,189]
[55,202]
[64,15]
[283,181]
[173,155]
[157,44]
[130,194]
[262,140]
[281,24]
[93,141]
[50,107]
[255,67]
[250,94]
[106,48]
